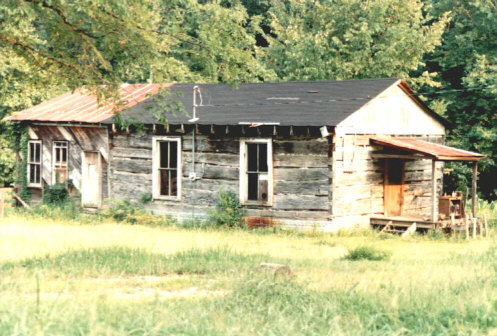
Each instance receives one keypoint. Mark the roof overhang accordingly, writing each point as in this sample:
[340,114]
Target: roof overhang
[427,150]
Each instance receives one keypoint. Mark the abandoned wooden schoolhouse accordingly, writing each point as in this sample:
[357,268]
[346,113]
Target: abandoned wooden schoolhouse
[323,154]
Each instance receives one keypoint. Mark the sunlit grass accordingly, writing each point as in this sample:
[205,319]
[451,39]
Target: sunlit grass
[61,277]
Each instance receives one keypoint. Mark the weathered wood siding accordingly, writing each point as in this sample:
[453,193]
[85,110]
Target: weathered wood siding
[358,181]
[79,139]
[300,163]
[391,112]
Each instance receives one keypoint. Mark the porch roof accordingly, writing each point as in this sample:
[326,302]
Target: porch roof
[428,149]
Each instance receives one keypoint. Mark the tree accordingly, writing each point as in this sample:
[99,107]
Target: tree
[218,40]
[467,66]
[343,39]
[51,46]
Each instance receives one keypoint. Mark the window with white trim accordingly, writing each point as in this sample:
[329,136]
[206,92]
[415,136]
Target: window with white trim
[166,167]
[34,163]
[256,171]
[59,161]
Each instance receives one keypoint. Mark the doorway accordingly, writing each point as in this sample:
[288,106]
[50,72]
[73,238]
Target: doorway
[394,187]
[91,181]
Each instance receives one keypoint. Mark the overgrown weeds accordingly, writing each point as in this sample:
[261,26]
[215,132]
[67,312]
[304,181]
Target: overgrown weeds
[134,213]
[228,211]
[367,253]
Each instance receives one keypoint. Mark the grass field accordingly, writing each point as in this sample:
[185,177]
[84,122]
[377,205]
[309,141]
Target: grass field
[64,278]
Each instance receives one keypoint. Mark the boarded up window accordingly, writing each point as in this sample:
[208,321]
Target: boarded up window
[256,175]
[167,166]
[34,163]
[60,159]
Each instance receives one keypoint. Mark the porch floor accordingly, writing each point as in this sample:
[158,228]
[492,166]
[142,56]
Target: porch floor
[401,221]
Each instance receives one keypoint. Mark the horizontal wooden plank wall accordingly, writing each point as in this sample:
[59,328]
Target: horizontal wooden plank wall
[301,173]
[357,181]
[79,139]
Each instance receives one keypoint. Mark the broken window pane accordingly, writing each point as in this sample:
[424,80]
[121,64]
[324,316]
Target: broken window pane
[253,186]
[164,182]
[164,154]
[173,150]
[263,157]
[257,169]
[252,157]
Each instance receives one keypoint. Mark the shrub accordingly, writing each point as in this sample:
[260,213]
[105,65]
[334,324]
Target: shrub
[125,211]
[228,211]
[55,194]
[367,253]
[146,198]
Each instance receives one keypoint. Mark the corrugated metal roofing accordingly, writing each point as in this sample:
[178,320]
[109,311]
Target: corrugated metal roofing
[430,149]
[79,106]
[314,103]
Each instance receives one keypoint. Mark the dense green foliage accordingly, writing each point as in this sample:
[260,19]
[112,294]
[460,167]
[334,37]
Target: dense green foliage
[228,211]
[466,67]
[345,39]
[445,49]
[55,194]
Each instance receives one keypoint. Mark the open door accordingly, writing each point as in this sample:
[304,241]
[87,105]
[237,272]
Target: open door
[394,187]
[91,181]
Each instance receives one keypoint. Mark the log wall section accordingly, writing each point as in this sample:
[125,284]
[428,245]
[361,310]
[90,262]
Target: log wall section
[358,181]
[300,167]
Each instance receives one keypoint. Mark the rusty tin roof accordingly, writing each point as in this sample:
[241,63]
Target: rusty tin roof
[83,107]
[429,149]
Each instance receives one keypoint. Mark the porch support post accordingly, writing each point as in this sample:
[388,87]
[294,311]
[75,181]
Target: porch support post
[473,199]
[433,190]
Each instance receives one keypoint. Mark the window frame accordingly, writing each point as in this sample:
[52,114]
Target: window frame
[243,194]
[54,177]
[155,167]
[29,163]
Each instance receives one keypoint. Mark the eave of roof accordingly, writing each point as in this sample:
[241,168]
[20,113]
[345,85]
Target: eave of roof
[428,149]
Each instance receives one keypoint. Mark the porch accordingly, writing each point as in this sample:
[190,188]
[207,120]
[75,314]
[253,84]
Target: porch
[447,212]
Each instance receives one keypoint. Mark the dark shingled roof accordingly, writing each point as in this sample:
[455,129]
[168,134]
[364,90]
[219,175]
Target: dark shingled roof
[315,103]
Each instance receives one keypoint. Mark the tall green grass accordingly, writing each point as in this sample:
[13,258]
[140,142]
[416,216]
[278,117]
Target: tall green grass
[261,306]
[129,261]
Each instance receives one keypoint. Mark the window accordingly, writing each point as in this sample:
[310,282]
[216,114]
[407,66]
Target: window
[59,161]
[256,173]
[167,167]
[34,163]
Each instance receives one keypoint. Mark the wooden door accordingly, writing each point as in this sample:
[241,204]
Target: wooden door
[91,181]
[394,187]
